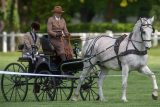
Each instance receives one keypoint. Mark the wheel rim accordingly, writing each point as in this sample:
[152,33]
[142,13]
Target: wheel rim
[89,88]
[44,88]
[14,87]
[64,89]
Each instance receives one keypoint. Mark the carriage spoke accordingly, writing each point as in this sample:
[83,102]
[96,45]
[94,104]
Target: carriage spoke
[22,90]
[19,95]
[45,88]
[8,84]
[61,93]
[15,93]
[64,93]
[86,95]
[94,93]
[11,80]
[12,93]
[88,89]
[40,94]
[64,89]
[43,93]
[14,88]
[9,90]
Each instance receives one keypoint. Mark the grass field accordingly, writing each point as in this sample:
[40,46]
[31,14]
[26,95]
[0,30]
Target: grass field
[138,91]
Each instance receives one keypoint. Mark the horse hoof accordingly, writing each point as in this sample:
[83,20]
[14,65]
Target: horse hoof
[74,98]
[97,98]
[104,100]
[155,95]
[125,100]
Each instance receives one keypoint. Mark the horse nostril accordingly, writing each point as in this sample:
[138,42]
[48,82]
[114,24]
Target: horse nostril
[143,32]
[147,48]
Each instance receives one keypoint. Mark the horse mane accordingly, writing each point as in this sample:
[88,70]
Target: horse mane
[137,25]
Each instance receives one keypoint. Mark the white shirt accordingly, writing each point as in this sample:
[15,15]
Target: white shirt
[57,18]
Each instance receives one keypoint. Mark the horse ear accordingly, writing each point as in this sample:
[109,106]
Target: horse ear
[152,19]
[140,19]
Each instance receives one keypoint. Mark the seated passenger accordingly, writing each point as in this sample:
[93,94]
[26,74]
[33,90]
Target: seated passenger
[31,39]
[58,33]
[31,44]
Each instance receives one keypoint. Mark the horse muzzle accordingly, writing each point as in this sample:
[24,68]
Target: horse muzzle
[148,48]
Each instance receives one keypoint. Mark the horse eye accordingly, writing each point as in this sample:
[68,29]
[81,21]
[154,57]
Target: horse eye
[142,30]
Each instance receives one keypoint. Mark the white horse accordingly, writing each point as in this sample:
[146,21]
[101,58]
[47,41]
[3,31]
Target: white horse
[127,53]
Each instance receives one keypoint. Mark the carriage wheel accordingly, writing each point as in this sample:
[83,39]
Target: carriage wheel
[89,88]
[64,89]
[44,87]
[14,87]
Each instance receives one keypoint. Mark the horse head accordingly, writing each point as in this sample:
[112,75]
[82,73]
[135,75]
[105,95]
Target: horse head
[146,30]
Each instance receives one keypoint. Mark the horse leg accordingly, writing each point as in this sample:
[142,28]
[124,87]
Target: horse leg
[81,79]
[145,70]
[125,71]
[100,84]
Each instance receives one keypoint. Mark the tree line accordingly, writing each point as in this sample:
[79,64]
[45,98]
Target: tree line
[16,15]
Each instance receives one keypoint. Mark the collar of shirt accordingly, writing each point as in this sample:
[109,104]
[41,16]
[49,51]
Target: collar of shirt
[57,18]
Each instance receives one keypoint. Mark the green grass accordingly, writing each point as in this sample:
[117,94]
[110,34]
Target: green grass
[138,91]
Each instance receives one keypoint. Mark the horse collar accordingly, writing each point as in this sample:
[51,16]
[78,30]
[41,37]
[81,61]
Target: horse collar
[132,51]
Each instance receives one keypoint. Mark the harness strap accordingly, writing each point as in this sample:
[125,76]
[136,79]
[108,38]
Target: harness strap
[116,48]
[130,35]
[90,48]
[133,52]
[126,53]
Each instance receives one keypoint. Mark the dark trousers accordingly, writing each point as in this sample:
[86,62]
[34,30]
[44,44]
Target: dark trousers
[63,57]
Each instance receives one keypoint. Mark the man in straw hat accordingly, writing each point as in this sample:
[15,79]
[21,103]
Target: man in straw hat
[57,31]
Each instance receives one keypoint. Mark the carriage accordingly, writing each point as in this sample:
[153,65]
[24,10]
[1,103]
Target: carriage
[121,54]
[58,85]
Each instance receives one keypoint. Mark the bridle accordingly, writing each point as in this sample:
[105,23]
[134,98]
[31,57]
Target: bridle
[142,32]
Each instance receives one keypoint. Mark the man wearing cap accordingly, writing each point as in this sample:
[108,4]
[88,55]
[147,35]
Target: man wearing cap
[57,31]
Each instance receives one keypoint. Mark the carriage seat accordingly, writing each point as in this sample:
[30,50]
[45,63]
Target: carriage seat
[24,59]
[47,47]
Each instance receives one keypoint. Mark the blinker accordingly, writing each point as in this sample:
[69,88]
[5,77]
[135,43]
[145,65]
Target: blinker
[153,30]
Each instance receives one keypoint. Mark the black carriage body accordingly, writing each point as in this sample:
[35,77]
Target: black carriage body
[47,63]
[54,88]
[54,63]
[72,66]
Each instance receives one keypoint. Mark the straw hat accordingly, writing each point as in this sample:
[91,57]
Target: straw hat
[57,9]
